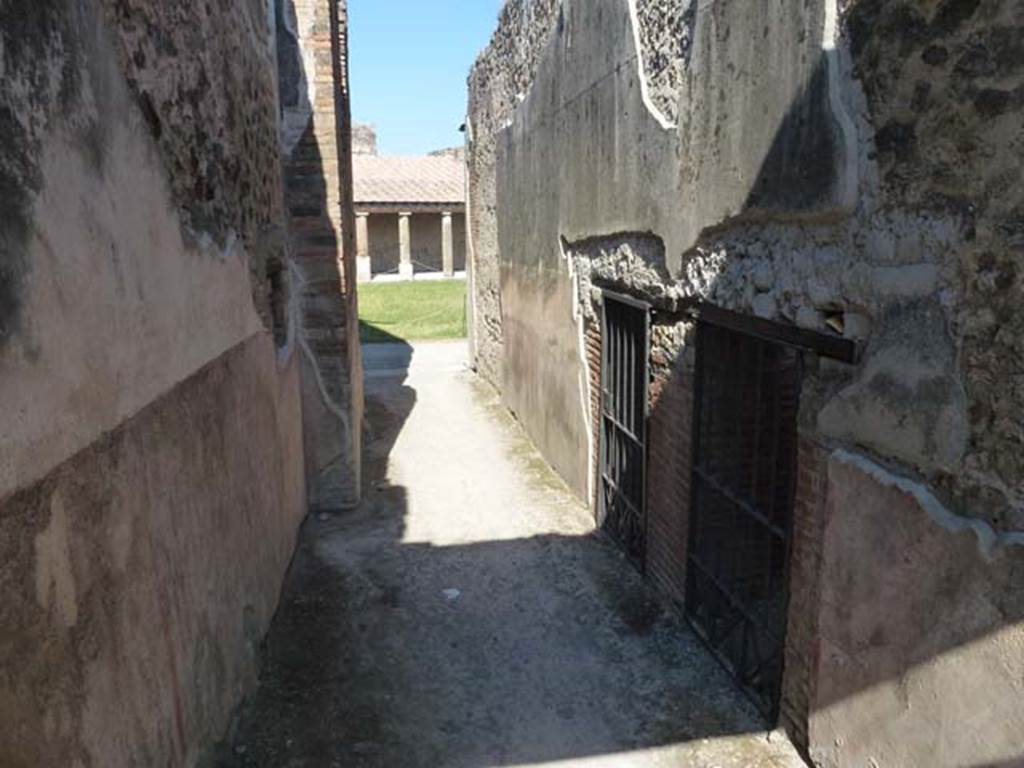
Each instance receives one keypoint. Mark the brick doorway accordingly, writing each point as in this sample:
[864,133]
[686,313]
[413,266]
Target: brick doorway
[743,489]
[622,482]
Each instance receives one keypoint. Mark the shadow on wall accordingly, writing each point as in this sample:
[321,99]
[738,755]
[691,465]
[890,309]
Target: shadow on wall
[799,170]
[554,649]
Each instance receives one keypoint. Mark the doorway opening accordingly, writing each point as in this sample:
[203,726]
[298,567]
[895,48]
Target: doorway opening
[744,485]
[625,336]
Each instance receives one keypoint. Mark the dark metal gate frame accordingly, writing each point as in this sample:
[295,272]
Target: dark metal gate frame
[762,333]
[731,614]
[622,480]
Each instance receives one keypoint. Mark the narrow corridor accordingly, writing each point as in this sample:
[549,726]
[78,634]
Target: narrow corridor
[467,615]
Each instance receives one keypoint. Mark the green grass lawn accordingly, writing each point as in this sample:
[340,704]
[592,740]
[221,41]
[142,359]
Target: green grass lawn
[392,312]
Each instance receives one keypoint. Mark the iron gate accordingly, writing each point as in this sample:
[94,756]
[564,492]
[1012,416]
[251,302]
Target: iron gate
[744,484]
[624,378]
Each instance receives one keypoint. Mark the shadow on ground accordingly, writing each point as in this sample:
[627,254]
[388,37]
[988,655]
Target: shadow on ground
[520,651]
[374,334]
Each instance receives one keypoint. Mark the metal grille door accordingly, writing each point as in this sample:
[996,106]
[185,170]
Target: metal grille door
[744,481]
[624,356]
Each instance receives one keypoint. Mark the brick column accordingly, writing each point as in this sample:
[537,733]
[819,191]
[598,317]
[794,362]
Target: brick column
[364,266]
[669,446]
[447,248]
[405,268]
[316,127]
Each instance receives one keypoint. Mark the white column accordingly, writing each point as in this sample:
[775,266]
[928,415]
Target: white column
[364,266]
[447,249]
[405,270]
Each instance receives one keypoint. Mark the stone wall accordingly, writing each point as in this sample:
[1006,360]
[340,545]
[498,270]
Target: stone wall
[847,168]
[944,90]
[151,477]
[497,83]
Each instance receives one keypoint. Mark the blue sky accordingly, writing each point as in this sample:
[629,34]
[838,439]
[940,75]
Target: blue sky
[409,60]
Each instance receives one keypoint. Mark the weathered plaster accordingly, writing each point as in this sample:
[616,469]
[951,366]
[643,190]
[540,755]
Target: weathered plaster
[38,58]
[140,574]
[109,317]
[586,117]
[907,402]
[151,474]
[796,159]
[663,34]
[942,84]
[990,541]
[921,656]
[204,77]
[55,585]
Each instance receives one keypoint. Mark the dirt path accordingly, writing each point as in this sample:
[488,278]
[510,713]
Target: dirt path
[467,615]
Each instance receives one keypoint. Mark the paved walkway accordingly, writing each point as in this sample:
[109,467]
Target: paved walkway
[466,616]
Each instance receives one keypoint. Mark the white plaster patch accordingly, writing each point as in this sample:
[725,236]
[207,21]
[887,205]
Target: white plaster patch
[581,340]
[329,402]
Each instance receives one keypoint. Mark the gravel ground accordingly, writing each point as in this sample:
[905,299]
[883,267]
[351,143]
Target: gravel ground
[467,615]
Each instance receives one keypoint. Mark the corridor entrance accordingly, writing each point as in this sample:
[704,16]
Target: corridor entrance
[744,481]
[624,378]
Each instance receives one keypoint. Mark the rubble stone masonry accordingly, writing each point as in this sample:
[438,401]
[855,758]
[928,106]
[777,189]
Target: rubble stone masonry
[500,78]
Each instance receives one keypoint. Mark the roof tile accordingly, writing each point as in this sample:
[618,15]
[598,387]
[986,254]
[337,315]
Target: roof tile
[398,179]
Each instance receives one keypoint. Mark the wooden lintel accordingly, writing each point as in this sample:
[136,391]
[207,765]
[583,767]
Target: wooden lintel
[824,344]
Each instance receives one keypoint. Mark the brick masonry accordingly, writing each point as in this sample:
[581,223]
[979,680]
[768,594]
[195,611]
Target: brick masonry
[669,466]
[668,459]
[318,179]
[802,635]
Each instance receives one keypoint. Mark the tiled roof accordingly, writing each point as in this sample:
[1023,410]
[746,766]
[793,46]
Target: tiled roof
[395,179]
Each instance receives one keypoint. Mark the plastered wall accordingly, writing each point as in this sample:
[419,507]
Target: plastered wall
[151,457]
[842,167]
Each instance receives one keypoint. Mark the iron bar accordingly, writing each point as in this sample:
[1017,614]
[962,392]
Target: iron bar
[746,395]
[624,373]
